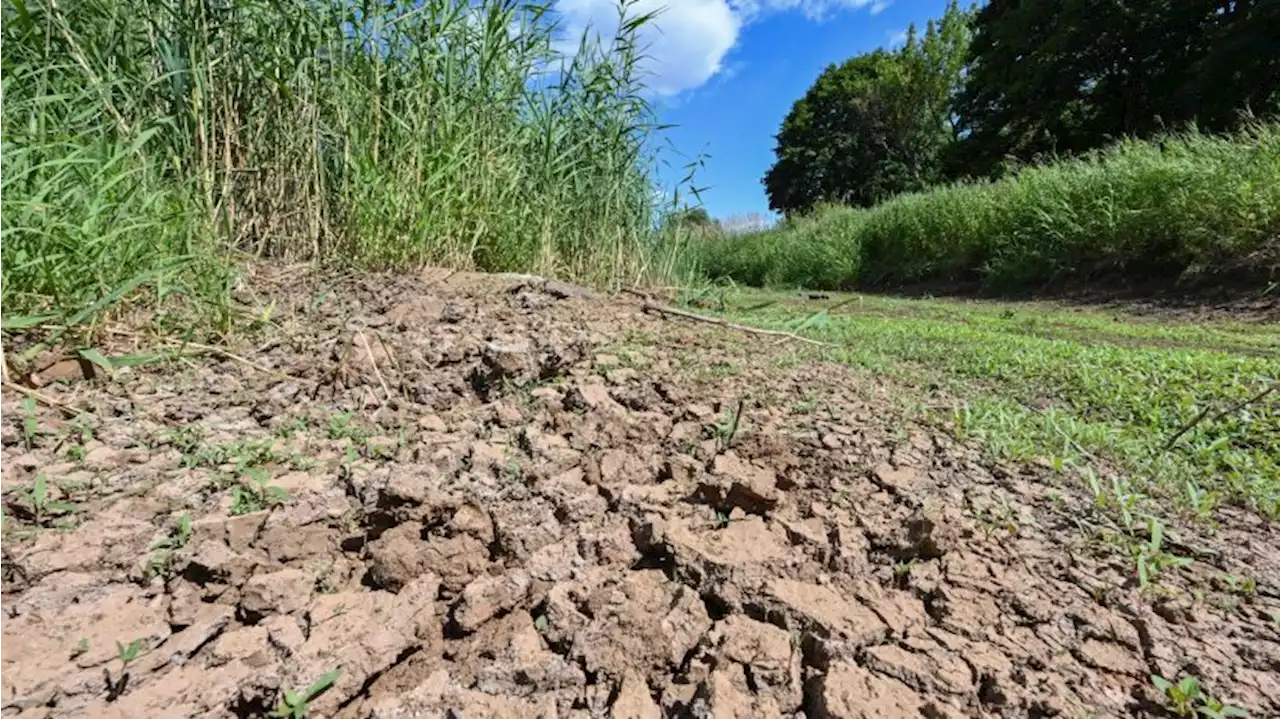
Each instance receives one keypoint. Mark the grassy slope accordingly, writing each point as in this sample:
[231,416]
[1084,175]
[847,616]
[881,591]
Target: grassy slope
[1033,382]
[1139,209]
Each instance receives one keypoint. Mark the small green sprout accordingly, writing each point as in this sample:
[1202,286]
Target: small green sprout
[82,646]
[255,495]
[296,706]
[1188,699]
[727,425]
[127,654]
[38,505]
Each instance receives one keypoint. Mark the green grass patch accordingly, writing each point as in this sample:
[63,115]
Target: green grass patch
[1144,209]
[1034,382]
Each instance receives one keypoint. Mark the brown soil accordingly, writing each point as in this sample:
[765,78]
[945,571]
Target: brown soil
[542,519]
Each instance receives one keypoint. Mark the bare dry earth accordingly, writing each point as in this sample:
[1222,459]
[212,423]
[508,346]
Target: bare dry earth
[544,522]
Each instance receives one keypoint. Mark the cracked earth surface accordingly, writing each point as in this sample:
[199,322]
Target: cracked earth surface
[488,497]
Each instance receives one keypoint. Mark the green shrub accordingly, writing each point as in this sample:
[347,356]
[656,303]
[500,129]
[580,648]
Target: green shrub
[1146,210]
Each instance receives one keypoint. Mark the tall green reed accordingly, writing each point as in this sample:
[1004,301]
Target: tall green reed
[1143,210]
[153,144]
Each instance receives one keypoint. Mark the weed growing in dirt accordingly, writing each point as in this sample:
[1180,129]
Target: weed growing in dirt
[81,647]
[254,494]
[902,572]
[1152,560]
[38,504]
[127,654]
[296,706]
[727,425]
[1238,585]
[346,426]
[1188,699]
[993,518]
[163,549]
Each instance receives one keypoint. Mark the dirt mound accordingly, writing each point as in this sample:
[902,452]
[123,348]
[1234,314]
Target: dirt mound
[477,496]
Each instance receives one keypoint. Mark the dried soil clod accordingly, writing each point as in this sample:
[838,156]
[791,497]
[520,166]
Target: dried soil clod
[514,498]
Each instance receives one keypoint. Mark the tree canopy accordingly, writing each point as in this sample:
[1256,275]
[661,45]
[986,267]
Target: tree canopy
[1064,77]
[1022,80]
[873,126]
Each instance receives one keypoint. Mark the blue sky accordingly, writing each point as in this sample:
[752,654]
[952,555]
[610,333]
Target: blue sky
[727,71]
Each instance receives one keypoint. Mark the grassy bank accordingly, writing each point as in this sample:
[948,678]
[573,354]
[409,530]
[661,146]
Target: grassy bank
[1082,389]
[148,146]
[1144,210]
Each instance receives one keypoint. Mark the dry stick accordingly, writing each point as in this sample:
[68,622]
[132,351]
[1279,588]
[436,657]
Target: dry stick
[231,356]
[378,373]
[395,363]
[47,400]
[210,349]
[651,307]
[1205,413]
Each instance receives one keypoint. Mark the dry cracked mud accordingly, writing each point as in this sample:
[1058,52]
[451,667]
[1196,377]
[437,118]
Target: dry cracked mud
[493,497]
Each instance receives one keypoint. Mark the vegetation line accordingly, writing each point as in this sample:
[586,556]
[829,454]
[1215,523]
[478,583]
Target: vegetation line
[672,312]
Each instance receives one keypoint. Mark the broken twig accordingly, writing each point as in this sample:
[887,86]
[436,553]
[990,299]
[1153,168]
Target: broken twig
[47,400]
[377,373]
[649,306]
[1205,413]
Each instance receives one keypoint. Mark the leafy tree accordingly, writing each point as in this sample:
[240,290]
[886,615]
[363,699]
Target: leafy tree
[694,220]
[693,217]
[874,126]
[1073,75]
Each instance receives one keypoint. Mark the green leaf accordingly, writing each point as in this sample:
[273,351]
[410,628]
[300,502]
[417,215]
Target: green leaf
[60,507]
[96,357]
[1232,711]
[1164,685]
[135,360]
[322,684]
[25,321]
[1157,534]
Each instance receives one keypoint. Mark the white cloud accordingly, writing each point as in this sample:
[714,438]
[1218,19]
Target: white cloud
[688,41]
[897,38]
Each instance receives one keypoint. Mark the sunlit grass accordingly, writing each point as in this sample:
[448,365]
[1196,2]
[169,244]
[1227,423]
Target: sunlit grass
[1095,387]
[152,145]
[1144,210]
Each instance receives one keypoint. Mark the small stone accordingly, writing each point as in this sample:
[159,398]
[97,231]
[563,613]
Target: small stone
[752,488]
[850,692]
[488,596]
[512,359]
[590,395]
[507,416]
[282,592]
[451,313]
[432,423]
[634,700]
[698,412]
[823,608]
[902,481]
